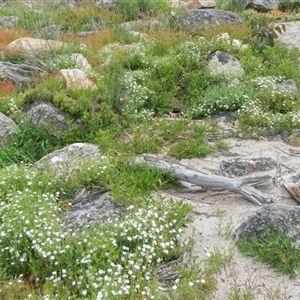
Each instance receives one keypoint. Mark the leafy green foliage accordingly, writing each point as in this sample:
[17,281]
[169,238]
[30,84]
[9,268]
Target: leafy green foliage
[264,31]
[276,249]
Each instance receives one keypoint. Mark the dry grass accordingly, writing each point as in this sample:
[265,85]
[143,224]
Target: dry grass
[7,86]
[9,35]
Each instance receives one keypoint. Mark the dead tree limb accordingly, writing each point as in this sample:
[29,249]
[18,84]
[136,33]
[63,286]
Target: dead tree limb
[211,181]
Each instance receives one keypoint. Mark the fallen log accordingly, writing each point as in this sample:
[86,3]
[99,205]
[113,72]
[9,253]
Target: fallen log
[211,181]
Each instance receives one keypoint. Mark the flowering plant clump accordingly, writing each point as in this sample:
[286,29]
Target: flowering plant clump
[96,262]
[188,54]
[273,106]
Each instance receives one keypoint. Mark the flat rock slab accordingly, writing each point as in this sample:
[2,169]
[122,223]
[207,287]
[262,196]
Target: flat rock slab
[94,206]
[271,218]
[242,166]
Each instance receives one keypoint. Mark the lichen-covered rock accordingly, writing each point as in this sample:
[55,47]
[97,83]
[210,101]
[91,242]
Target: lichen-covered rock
[45,115]
[69,158]
[222,63]
[94,206]
[242,166]
[270,219]
[20,74]
[7,127]
[196,17]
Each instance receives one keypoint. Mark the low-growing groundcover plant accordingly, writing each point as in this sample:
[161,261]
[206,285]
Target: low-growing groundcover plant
[141,80]
[275,249]
[95,262]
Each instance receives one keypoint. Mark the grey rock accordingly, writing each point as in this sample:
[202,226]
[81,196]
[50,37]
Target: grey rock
[46,116]
[141,24]
[288,86]
[68,158]
[8,21]
[222,63]
[85,33]
[290,37]
[270,219]
[261,5]
[224,116]
[241,166]
[106,4]
[94,206]
[7,127]
[196,17]
[51,32]
[21,74]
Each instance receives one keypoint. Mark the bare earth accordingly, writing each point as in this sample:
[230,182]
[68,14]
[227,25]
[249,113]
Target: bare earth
[209,228]
[211,231]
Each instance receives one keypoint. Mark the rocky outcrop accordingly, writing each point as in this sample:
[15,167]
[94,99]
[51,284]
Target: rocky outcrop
[196,17]
[271,218]
[221,63]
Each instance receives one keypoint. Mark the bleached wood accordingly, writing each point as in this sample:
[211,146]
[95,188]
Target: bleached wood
[210,181]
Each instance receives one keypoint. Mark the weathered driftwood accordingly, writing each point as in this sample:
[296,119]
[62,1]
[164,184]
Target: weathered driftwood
[211,181]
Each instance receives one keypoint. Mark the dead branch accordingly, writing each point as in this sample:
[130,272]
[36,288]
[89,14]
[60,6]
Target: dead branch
[211,181]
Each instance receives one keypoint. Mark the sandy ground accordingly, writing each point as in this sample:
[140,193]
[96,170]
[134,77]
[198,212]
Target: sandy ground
[210,230]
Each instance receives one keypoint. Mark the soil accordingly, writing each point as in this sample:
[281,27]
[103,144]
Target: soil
[217,214]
